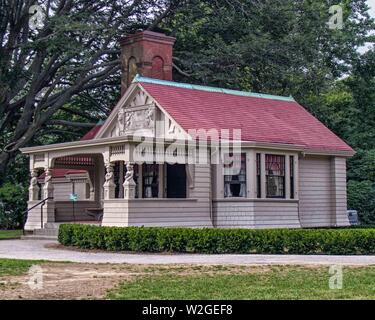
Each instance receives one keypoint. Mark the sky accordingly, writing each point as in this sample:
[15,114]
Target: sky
[371,4]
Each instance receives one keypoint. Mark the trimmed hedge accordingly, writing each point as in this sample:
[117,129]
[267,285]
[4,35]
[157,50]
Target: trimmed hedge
[277,241]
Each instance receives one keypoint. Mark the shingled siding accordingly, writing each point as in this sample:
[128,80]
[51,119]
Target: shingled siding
[191,212]
[322,191]
[276,214]
[233,214]
[249,213]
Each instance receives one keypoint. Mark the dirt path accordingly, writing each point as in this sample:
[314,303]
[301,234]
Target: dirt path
[92,281]
[67,281]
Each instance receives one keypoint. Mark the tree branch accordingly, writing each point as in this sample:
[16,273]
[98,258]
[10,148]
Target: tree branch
[71,123]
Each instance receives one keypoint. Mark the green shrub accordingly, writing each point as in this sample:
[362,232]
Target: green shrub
[277,241]
[361,197]
[13,203]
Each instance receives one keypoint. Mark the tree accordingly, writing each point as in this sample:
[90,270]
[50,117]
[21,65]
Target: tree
[55,52]
[273,46]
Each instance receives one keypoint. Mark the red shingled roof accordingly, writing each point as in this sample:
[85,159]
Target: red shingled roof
[61,173]
[272,120]
[92,133]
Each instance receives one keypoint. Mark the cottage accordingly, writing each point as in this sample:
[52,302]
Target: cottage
[176,154]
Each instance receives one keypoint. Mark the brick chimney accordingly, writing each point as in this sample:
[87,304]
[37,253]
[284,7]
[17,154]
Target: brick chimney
[148,54]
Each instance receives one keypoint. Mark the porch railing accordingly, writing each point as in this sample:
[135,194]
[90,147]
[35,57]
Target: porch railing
[41,203]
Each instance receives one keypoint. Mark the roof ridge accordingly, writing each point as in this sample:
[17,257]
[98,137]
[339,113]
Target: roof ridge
[139,78]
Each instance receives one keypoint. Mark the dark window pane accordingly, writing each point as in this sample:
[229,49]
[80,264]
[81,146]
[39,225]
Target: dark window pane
[116,176]
[235,184]
[176,181]
[291,177]
[150,180]
[259,181]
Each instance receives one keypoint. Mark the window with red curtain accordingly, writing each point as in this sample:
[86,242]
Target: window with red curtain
[275,176]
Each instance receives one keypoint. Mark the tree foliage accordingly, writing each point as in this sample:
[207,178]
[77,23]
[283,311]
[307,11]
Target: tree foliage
[73,53]
[60,79]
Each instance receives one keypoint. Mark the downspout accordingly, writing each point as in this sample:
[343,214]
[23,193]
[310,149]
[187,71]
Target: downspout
[210,198]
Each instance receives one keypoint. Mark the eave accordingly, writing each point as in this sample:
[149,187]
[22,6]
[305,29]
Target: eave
[131,139]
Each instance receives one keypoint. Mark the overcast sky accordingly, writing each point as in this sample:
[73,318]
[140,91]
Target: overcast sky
[372,5]
[372,13]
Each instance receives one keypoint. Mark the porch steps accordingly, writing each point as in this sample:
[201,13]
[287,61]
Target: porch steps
[50,232]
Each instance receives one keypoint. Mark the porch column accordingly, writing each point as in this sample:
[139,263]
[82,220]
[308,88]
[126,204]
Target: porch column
[34,188]
[109,184]
[49,207]
[129,183]
[48,186]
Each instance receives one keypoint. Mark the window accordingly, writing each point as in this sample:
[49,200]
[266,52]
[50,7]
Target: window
[176,181]
[235,177]
[275,176]
[291,160]
[116,178]
[259,181]
[150,174]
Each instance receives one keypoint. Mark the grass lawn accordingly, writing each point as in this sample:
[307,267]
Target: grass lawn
[12,267]
[276,282]
[10,234]
[124,281]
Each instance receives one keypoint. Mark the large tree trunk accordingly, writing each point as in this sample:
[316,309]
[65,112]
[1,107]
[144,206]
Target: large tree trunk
[5,158]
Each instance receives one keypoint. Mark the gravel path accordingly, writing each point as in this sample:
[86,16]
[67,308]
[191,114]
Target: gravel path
[44,250]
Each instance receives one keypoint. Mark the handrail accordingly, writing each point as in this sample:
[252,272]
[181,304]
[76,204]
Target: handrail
[25,213]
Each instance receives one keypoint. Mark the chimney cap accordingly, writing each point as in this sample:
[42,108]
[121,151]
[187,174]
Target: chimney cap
[147,35]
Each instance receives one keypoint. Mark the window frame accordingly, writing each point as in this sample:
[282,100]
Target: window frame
[166,186]
[292,178]
[145,175]
[241,178]
[277,177]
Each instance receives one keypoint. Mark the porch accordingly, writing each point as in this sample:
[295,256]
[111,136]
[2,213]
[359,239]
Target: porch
[115,188]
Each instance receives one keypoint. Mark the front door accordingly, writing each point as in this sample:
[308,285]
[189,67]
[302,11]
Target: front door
[176,181]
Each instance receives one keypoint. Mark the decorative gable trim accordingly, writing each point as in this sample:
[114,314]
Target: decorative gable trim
[113,114]
[137,113]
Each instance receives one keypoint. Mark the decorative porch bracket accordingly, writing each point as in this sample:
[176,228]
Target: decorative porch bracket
[34,188]
[109,184]
[129,183]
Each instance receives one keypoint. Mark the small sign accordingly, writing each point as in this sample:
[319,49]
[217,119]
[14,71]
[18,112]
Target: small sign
[73,197]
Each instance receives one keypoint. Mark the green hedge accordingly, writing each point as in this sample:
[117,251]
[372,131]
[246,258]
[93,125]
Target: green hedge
[278,241]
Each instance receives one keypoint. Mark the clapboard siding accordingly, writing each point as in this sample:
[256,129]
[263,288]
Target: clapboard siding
[115,213]
[339,190]
[64,187]
[315,191]
[62,190]
[64,210]
[171,212]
